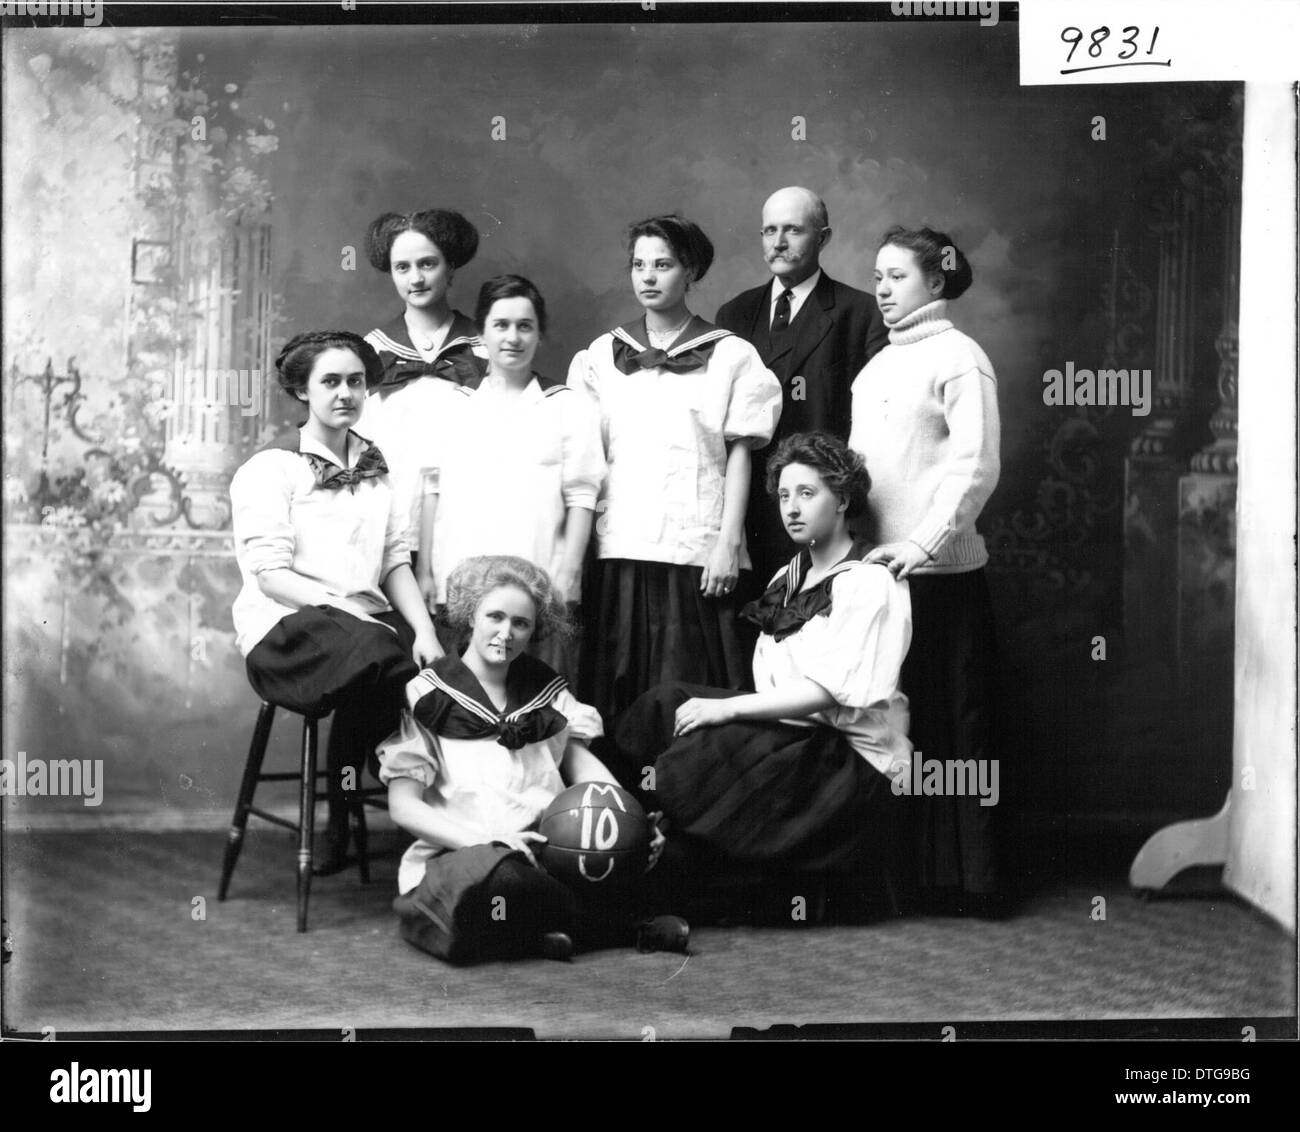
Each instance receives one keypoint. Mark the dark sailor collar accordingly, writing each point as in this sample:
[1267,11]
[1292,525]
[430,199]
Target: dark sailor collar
[693,335]
[459,359]
[395,338]
[783,610]
[453,703]
[690,350]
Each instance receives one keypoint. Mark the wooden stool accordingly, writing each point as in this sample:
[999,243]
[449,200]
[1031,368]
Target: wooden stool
[308,796]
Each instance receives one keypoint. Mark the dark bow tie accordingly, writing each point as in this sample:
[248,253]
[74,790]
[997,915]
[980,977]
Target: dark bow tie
[629,360]
[456,706]
[331,477]
[784,609]
[457,366]
[450,720]
[778,620]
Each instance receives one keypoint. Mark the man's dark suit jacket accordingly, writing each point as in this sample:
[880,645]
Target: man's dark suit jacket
[837,330]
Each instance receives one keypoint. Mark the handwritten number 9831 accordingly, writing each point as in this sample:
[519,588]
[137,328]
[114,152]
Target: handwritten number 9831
[1074,36]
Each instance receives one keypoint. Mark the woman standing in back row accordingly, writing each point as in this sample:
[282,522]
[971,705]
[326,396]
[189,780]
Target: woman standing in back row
[681,404]
[925,418]
[428,352]
[522,463]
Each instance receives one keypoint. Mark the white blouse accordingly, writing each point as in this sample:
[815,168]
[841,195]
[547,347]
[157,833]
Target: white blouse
[666,436]
[411,426]
[855,650]
[478,782]
[511,467]
[347,541]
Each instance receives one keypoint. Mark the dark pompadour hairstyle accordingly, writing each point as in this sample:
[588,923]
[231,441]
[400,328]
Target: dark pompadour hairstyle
[687,239]
[454,236]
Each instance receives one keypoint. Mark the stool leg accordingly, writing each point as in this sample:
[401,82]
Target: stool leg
[247,786]
[361,835]
[306,818]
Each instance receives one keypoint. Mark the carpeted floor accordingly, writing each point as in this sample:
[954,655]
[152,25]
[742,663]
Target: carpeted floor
[122,932]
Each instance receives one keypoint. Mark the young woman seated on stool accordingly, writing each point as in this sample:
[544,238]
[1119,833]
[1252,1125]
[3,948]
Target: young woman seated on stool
[329,617]
[470,775]
[796,776]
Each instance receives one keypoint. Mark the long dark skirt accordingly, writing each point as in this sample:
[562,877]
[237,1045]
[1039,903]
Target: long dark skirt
[320,659]
[765,793]
[487,902]
[949,678]
[648,623]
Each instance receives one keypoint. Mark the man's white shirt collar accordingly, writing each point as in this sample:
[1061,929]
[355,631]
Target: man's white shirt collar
[798,294]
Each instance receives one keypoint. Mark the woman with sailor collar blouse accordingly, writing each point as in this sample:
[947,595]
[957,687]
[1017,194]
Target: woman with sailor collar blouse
[427,352]
[799,775]
[682,403]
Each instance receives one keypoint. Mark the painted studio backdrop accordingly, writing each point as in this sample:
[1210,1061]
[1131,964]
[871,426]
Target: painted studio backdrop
[178,202]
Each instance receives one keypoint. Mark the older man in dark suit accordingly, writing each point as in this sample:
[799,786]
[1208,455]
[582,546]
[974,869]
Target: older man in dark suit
[813,333]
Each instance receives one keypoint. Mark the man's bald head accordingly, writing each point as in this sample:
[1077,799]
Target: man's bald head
[795,229]
[795,196]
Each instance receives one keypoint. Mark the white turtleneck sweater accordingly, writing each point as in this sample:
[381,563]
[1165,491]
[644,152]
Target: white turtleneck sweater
[925,418]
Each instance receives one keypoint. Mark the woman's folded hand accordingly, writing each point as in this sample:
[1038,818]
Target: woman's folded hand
[522,841]
[900,557]
[722,569]
[696,713]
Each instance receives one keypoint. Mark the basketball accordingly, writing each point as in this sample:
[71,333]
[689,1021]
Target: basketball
[597,837]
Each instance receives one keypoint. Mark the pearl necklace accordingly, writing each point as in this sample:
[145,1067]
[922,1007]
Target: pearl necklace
[662,339]
[424,339]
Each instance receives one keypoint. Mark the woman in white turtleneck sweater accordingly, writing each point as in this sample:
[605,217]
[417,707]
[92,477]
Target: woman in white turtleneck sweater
[925,418]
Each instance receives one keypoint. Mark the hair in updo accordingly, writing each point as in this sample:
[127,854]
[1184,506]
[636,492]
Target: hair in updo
[454,236]
[509,287]
[692,248]
[841,468]
[931,248]
[474,578]
[294,363]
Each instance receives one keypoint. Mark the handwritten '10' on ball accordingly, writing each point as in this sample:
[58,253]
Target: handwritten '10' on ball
[597,837]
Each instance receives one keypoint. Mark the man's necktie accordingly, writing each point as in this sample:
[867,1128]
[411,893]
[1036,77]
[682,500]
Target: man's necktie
[781,320]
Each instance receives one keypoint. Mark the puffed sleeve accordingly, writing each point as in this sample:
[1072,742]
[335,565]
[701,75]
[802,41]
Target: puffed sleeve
[584,377]
[584,721]
[261,493]
[871,628]
[754,404]
[583,454]
[970,473]
[409,752]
